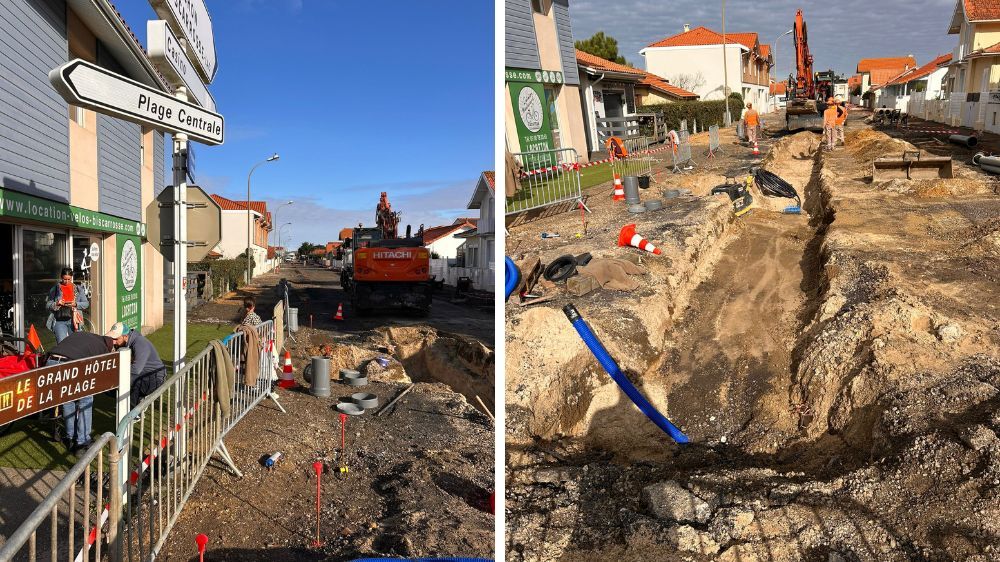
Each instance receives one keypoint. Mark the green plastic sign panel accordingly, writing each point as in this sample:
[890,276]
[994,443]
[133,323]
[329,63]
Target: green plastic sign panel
[19,205]
[530,115]
[129,281]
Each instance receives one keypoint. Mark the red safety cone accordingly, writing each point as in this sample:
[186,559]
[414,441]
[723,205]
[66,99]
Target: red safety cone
[628,237]
[340,312]
[619,192]
[756,149]
[287,376]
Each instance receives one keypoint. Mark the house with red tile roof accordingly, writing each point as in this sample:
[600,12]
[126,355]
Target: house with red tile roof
[444,241]
[234,231]
[926,80]
[691,60]
[973,76]
[877,72]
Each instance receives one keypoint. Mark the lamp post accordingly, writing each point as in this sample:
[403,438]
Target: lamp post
[776,39]
[279,237]
[271,158]
[725,69]
[276,222]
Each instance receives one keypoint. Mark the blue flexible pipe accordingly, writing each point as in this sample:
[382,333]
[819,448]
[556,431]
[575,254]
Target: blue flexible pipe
[513,277]
[609,364]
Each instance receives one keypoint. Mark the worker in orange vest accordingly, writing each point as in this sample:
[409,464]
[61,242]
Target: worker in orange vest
[751,122]
[841,119]
[830,123]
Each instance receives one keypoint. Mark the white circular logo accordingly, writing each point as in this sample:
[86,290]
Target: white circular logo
[545,76]
[538,76]
[95,252]
[530,108]
[559,77]
[130,265]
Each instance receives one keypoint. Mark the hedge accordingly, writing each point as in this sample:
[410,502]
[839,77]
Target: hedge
[227,275]
[706,113]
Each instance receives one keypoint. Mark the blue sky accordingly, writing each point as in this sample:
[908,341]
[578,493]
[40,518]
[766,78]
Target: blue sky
[840,33]
[357,98]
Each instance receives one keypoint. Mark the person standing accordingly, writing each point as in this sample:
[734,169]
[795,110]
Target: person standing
[751,122]
[148,372]
[830,124]
[65,302]
[79,414]
[841,120]
[251,318]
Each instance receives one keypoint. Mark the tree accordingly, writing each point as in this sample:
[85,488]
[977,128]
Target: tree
[306,247]
[604,46]
[689,82]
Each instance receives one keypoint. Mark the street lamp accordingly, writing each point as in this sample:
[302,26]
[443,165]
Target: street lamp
[279,236]
[776,39]
[725,69]
[275,221]
[271,158]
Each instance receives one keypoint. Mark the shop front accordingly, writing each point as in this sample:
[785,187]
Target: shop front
[39,237]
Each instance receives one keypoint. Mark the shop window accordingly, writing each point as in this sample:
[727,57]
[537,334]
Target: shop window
[43,256]
[7,280]
[87,275]
[550,103]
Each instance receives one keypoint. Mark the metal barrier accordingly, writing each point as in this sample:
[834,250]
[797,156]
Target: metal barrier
[682,153]
[75,512]
[548,177]
[638,162]
[167,440]
[714,144]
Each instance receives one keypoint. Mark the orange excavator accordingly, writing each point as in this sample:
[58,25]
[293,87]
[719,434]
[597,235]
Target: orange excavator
[383,270]
[806,99]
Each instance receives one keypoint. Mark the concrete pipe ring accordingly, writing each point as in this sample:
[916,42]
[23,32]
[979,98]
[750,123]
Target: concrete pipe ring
[654,205]
[356,379]
[345,373]
[366,400]
[350,408]
[638,208]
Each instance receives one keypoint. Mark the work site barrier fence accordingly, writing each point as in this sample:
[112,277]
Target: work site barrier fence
[548,177]
[714,144]
[682,152]
[154,460]
[639,161]
[76,515]
[621,127]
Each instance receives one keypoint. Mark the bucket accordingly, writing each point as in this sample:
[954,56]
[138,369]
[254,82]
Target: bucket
[320,366]
[293,319]
[643,182]
[631,185]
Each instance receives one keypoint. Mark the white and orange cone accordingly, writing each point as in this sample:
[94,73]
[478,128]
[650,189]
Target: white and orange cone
[340,312]
[628,237]
[756,149]
[287,377]
[619,192]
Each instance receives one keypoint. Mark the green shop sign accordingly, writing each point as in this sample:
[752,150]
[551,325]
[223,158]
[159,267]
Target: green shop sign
[129,281]
[18,205]
[536,76]
[531,116]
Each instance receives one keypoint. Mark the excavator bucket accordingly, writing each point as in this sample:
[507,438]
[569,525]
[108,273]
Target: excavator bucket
[912,166]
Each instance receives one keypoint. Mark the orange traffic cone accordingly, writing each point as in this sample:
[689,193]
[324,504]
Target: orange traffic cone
[619,192]
[756,149]
[628,237]
[340,312]
[287,377]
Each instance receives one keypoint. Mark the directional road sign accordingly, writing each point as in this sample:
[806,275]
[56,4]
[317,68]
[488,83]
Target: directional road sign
[168,56]
[190,20]
[88,85]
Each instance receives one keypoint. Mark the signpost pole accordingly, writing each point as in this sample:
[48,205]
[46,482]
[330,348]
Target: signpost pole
[180,243]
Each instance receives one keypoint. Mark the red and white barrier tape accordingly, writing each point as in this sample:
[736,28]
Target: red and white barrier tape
[575,166]
[92,536]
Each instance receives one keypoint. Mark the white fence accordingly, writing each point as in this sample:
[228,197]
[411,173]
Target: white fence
[979,112]
[482,279]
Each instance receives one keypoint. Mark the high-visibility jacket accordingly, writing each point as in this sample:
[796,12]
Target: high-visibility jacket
[751,118]
[842,115]
[830,116]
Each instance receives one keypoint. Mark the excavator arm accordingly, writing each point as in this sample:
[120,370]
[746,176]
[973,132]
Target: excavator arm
[802,111]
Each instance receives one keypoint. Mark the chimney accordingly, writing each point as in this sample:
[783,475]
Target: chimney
[687,27]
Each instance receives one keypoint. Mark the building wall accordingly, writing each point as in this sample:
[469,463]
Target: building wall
[670,62]
[520,46]
[119,145]
[34,151]
[447,247]
[564,32]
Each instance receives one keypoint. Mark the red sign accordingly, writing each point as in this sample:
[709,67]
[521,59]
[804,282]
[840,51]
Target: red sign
[47,387]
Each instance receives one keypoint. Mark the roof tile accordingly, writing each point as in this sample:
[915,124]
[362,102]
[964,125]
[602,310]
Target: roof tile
[982,10]
[918,73]
[897,63]
[700,35]
[597,62]
[657,83]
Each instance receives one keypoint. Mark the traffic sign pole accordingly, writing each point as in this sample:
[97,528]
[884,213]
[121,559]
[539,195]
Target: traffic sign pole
[180,242]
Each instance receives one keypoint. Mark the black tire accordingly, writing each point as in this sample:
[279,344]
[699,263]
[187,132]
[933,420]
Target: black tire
[561,268]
